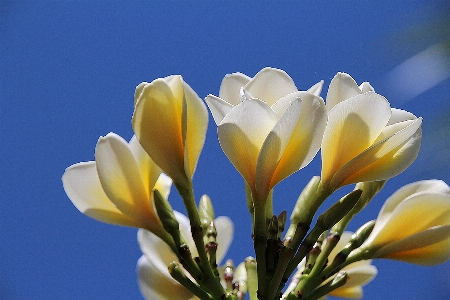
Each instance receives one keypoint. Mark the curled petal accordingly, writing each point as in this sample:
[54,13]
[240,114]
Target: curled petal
[293,142]
[271,84]
[241,137]
[342,87]
[225,232]
[218,107]
[157,123]
[82,186]
[121,180]
[155,281]
[424,186]
[415,214]
[414,225]
[429,247]
[316,89]
[353,126]
[196,122]
[385,159]
[230,87]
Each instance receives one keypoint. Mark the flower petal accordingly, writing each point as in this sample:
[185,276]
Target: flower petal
[155,281]
[218,107]
[242,133]
[197,124]
[429,247]
[342,87]
[225,232]
[82,186]
[149,170]
[271,84]
[121,180]
[353,126]
[316,89]
[230,87]
[158,126]
[430,186]
[293,142]
[386,158]
[414,214]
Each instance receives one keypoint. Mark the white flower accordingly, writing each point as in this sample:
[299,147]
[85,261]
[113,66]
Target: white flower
[266,127]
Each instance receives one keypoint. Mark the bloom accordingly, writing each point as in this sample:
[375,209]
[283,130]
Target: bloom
[413,225]
[117,187]
[365,140]
[154,279]
[266,127]
[170,122]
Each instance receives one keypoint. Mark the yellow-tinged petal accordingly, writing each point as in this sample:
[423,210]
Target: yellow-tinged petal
[355,292]
[413,225]
[197,125]
[149,171]
[270,84]
[386,158]
[342,87]
[82,186]
[415,214]
[121,180]
[170,122]
[242,133]
[293,142]
[353,126]
[429,247]
[157,123]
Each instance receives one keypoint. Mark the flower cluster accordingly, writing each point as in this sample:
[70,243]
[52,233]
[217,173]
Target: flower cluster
[269,130]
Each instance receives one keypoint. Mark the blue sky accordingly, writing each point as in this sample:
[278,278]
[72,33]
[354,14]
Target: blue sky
[68,70]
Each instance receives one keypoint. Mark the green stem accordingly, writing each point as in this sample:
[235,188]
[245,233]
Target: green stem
[210,280]
[260,243]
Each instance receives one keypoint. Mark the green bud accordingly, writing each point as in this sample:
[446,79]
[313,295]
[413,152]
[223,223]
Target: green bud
[205,211]
[167,217]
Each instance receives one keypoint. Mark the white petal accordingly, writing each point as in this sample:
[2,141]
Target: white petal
[120,177]
[155,281]
[82,186]
[293,142]
[432,186]
[271,84]
[225,232]
[218,107]
[230,87]
[385,159]
[399,115]
[242,133]
[316,89]
[353,126]
[342,87]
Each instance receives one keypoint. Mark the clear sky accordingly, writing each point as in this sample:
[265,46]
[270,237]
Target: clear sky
[68,70]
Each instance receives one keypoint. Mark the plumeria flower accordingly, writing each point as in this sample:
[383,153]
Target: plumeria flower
[154,279]
[359,273]
[170,122]
[117,187]
[413,225]
[266,127]
[365,140]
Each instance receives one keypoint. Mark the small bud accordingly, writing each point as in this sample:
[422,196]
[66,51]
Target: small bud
[205,211]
